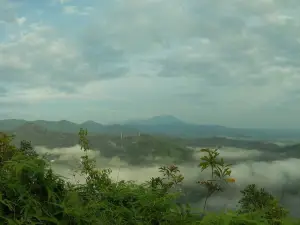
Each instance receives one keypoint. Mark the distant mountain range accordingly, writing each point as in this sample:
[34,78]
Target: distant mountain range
[163,133]
[160,125]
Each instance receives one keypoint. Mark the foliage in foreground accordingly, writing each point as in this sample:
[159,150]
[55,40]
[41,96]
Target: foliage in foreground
[31,194]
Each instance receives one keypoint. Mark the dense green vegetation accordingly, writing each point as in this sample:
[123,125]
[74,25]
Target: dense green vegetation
[30,193]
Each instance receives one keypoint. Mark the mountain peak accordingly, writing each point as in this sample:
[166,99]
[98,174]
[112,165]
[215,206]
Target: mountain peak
[65,122]
[89,122]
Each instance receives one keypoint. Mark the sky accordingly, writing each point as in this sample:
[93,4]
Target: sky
[204,61]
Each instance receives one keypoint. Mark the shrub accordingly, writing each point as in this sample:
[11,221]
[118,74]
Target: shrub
[259,200]
[32,194]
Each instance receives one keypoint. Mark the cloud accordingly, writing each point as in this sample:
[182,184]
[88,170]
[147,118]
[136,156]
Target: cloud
[280,177]
[231,153]
[20,21]
[3,91]
[40,57]
[74,10]
[62,2]
[6,12]
[226,55]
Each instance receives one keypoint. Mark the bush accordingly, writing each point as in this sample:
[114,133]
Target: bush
[31,194]
[259,200]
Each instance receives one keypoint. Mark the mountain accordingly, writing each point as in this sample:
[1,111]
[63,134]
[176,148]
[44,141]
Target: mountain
[158,125]
[11,124]
[51,134]
[59,126]
[137,148]
[66,126]
[170,125]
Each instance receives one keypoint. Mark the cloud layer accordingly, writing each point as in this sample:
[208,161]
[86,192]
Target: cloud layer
[280,177]
[205,61]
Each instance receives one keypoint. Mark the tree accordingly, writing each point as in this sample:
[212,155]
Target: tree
[220,172]
[258,200]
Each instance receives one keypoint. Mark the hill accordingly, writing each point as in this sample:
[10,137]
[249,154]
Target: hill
[159,125]
[135,149]
[138,148]
[66,126]
[39,135]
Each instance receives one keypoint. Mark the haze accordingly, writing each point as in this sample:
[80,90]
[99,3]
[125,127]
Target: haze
[204,61]
[280,177]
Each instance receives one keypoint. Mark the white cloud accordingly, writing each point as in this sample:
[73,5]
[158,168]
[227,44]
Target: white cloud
[238,60]
[21,21]
[275,176]
[75,10]
[63,1]
[7,14]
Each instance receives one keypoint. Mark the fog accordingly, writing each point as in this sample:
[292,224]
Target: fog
[280,177]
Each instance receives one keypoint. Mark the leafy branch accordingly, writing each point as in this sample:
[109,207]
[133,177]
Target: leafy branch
[220,172]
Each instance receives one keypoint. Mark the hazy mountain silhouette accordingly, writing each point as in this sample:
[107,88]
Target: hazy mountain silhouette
[54,134]
[160,125]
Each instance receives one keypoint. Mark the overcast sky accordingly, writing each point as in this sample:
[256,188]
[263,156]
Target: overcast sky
[233,63]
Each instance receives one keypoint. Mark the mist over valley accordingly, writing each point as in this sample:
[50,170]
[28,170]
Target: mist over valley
[138,156]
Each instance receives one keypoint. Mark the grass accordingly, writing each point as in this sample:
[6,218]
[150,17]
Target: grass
[31,194]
